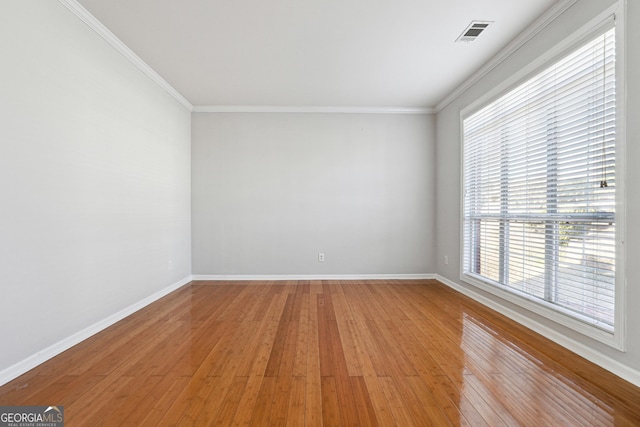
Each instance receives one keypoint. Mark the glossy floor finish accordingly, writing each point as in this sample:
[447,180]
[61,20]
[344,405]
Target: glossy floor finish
[405,353]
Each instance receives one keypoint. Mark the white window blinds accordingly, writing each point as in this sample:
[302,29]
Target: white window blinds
[539,183]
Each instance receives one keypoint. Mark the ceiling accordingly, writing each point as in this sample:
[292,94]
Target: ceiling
[310,53]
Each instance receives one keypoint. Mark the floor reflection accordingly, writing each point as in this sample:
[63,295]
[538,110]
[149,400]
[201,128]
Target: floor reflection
[527,388]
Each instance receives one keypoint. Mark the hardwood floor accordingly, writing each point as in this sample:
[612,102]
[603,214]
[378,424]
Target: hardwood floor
[405,353]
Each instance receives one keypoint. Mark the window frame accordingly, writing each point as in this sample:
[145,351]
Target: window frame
[612,17]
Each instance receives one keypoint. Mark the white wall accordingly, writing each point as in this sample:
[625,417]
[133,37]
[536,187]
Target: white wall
[271,191]
[448,196]
[94,180]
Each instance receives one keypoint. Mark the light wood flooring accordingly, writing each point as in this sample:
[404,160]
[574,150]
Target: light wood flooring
[349,353]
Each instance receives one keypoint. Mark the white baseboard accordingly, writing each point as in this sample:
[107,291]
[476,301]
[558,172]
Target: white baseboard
[623,371]
[42,356]
[606,362]
[241,277]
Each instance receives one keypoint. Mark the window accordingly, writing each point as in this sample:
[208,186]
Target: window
[539,187]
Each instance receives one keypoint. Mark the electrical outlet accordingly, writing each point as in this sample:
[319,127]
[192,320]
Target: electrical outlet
[170,265]
[446,260]
[320,257]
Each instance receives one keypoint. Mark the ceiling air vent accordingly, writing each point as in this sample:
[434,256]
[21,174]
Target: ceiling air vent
[473,31]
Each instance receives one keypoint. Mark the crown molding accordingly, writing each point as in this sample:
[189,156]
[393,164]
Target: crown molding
[86,17]
[538,25]
[309,109]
